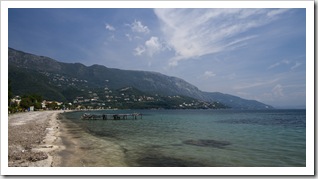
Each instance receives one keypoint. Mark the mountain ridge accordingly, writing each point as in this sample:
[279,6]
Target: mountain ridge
[98,76]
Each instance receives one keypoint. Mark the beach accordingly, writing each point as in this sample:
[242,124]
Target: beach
[162,138]
[41,139]
[33,139]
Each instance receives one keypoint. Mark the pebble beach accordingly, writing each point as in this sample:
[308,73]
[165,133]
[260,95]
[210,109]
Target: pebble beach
[33,139]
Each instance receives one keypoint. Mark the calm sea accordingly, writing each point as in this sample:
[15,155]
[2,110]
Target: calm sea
[195,138]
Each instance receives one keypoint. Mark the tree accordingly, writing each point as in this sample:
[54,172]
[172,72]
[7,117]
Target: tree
[52,106]
[36,100]
[25,103]
[31,100]
[13,107]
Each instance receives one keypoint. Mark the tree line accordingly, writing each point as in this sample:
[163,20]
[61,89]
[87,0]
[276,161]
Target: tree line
[26,101]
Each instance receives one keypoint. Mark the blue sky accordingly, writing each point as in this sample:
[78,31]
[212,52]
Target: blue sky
[251,53]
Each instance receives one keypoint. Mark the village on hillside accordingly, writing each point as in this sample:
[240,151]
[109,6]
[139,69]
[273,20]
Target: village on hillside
[125,98]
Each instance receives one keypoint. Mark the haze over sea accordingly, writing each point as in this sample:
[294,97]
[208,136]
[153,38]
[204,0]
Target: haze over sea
[193,138]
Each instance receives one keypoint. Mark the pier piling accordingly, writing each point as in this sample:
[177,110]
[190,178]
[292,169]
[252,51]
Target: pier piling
[87,116]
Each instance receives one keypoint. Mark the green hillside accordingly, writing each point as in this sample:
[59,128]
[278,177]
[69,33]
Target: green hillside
[66,81]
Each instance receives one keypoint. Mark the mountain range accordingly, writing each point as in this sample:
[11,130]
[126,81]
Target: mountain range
[29,73]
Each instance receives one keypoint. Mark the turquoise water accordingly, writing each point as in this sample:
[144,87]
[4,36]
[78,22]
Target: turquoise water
[202,138]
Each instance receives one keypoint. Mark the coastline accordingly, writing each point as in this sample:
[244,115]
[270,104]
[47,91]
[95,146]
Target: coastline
[71,142]
[41,139]
[34,139]
[78,148]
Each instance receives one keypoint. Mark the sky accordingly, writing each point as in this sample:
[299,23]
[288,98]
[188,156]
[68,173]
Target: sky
[257,54]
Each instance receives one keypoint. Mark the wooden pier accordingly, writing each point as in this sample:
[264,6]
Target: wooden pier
[134,116]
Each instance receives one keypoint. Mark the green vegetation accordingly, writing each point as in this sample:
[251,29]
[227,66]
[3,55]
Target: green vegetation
[31,100]
[26,81]
[83,86]
[25,103]
[57,87]
[53,106]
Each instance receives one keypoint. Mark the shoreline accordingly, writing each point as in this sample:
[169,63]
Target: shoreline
[78,148]
[41,139]
[69,142]
[34,139]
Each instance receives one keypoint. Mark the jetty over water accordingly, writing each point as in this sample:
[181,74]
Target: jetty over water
[134,116]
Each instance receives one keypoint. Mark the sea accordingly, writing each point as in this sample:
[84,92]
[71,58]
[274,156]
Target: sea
[186,138]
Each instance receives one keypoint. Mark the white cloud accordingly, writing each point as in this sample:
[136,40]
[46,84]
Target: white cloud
[209,74]
[173,63]
[112,37]
[129,37]
[296,65]
[255,84]
[286,62]
[239,41]
[278,90]
[139,50]
[137,26]
[196,32]
[109,27]
[274,65]
[151,47]
[276,12]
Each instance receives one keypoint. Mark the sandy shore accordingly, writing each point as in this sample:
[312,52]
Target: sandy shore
[41,139]
[34,139]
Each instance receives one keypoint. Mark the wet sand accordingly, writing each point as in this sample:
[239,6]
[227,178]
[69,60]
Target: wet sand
[33,139]
[81,149]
